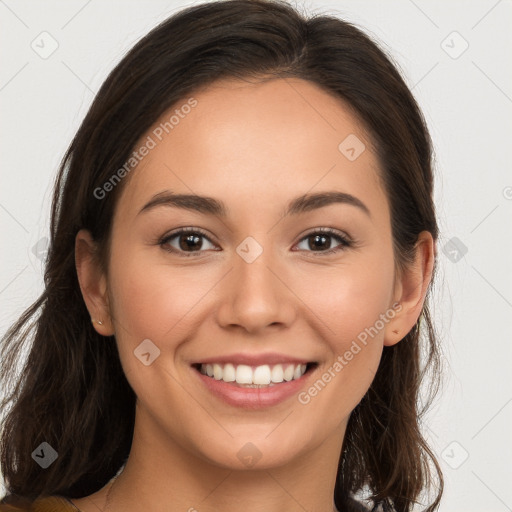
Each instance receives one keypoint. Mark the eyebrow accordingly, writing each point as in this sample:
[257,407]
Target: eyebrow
[211,206]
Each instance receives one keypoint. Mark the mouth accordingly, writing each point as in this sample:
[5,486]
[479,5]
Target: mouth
[255,377]
[254,387]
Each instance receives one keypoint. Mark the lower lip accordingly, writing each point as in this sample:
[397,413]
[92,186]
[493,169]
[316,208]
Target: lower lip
[254,398]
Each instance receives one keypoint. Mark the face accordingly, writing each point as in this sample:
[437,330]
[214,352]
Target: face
[257,284]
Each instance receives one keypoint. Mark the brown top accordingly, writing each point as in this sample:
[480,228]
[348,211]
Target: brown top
[49,504]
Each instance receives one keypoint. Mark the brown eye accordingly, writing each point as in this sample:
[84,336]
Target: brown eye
[186,241]
[321,241]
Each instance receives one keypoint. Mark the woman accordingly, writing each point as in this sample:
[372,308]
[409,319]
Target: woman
[242,246]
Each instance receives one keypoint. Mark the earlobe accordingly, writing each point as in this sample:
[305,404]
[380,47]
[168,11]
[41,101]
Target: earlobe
[411,290]
[93,282]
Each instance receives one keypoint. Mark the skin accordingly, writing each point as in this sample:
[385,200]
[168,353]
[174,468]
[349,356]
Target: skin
[254,146]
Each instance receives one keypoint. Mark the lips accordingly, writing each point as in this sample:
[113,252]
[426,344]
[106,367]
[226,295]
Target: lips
[254,359]
[254,385]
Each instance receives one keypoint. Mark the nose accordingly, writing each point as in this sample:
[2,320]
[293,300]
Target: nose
[256,296]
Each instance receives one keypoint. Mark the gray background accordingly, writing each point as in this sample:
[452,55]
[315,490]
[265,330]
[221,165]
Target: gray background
[454,57]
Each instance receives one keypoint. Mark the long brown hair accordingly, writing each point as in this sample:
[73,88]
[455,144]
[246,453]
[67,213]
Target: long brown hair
[72,392]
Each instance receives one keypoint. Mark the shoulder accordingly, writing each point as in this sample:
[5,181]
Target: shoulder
[47,504]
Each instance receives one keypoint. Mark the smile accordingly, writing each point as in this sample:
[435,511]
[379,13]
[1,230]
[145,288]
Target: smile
[264,375]
[254,387]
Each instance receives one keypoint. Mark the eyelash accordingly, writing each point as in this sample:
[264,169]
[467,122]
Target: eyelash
[345,241]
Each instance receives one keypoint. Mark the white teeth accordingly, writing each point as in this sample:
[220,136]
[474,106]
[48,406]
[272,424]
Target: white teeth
[261,375]
[288,373]
[277,373]
[264,375]
[217,372]
[244,374]
[297,374]
[229,373]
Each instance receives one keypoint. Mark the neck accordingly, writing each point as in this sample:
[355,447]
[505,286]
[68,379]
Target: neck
[160,474]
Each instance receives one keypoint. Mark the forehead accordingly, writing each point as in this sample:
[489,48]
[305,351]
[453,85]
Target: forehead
[250,142]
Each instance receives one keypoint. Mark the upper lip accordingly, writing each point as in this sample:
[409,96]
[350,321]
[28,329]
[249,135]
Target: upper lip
[254,359]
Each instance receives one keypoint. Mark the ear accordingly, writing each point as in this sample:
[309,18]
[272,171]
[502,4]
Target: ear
[410,290]
[93,282]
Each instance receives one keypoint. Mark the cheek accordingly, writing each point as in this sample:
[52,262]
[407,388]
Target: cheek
[349,299]
[351,304]
[156,302]
[151,299]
